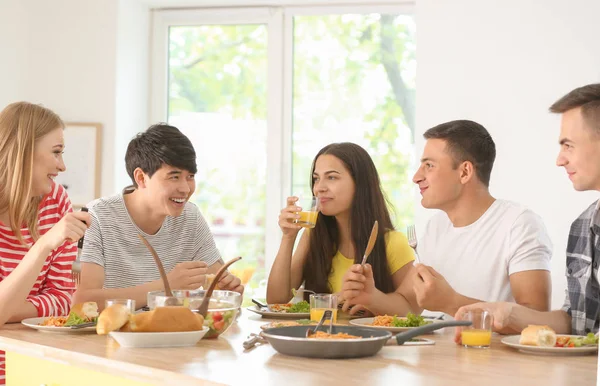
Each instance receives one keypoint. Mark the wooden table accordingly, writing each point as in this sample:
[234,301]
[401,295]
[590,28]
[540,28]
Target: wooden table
[224,361]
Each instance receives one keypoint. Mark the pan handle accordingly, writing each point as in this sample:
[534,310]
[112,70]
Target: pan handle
[408,335]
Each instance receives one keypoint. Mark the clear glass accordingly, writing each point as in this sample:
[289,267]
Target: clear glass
[319,303]
[309,212]
[217,96]
[479,334]
[354,80]
[129,303]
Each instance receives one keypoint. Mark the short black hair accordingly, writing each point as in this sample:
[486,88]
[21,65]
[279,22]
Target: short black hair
[161,144]
[467,141]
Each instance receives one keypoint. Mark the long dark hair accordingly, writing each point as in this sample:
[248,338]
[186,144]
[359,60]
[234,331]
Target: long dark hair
[368,204]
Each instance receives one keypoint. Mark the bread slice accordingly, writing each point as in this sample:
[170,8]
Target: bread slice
[112,318]
[87,310]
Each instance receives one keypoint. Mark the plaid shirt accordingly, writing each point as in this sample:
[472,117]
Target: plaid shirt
[582,300]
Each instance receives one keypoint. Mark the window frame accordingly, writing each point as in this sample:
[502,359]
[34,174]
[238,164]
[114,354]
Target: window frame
[279,20]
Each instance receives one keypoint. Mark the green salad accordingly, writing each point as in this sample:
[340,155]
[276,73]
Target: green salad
[411,320]
[300,307]
[587,340]
[218,321]
[75,320]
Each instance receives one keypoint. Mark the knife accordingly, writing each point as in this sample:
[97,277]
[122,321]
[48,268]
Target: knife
[83,325]
[371,243]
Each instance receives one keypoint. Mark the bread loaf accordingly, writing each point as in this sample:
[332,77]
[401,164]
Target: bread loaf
[165,319]
[534,335]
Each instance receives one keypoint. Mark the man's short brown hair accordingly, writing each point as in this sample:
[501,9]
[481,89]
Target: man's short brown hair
[586,97]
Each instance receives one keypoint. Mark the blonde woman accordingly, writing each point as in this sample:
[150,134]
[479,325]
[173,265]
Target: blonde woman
[37,224]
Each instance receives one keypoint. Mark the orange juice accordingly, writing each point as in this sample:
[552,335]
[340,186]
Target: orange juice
[475,337]
[307,219]
[317,313]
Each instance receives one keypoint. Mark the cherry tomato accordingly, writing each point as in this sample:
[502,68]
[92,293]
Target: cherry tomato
[217,316]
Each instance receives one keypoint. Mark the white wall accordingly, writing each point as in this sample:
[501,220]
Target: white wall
[87,60]
[72,63]
[14,30]
[502,64]
[132,78]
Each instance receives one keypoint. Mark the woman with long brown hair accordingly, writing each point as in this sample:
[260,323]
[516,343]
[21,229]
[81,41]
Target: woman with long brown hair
[345,180]
[37,226]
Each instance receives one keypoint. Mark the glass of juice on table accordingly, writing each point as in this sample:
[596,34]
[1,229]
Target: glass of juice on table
[319,303]
[479,334]
[309,212]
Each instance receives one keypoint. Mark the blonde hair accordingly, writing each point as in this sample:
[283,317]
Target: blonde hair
[21,125]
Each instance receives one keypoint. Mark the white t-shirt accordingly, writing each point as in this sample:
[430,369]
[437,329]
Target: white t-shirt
[478,259]
[112,242]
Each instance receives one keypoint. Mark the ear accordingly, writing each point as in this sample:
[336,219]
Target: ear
[140,177]
[467,172]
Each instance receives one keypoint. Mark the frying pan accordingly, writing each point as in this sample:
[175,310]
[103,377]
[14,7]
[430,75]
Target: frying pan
[292,340]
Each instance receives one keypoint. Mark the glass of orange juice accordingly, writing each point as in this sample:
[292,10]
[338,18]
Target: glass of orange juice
[479,334]
[319,303]
[309,212]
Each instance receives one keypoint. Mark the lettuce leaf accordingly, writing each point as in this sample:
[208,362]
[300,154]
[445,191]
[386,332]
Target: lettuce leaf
[411,320]
[300,307]
[74,320]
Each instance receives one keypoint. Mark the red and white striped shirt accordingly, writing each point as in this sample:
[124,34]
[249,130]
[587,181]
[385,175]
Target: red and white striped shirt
[52,291]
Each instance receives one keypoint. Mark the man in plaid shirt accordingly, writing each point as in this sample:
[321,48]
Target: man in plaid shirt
[580,156]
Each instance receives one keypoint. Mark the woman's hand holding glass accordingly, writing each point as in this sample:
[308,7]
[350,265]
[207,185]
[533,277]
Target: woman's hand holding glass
[288,216]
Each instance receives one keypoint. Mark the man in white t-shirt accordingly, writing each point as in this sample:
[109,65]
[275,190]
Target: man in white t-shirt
[477,247]
[115,263]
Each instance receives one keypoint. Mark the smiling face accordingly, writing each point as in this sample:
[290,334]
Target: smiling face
[47,161]
[579,151]
[438,179]
[334,185]
[168,190]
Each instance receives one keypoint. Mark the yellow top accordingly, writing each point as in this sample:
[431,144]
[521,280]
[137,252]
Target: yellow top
[398,252]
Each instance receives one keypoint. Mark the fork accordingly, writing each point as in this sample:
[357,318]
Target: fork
[76,268]
[412,240]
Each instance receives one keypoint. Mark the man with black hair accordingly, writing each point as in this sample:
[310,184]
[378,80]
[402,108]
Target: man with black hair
[115,263]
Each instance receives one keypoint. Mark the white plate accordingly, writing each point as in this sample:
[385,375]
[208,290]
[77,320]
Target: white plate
[281,315]
[367,322]
[159,339]
[35,324]
[513,341]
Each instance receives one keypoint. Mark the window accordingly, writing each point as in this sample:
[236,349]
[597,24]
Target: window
[354,81]
[260,90]
[217,94]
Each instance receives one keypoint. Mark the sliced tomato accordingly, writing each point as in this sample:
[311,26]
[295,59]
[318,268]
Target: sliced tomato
[561,341]
[219,325]
[217,316]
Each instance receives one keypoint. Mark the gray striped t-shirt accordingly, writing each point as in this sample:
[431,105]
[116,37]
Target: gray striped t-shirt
[112,242]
